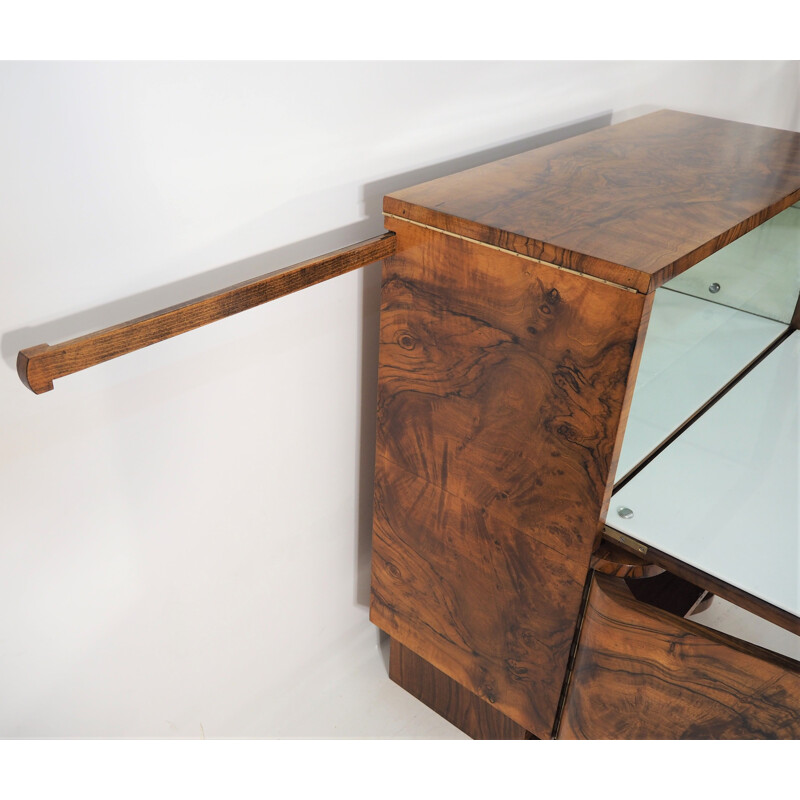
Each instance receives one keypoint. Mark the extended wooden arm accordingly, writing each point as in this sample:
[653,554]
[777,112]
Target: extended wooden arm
[39,366]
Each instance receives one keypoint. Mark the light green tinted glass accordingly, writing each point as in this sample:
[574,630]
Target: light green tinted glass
[692,349]
[758,273]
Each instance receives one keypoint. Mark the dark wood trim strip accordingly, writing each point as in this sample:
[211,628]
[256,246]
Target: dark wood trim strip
[727,591]
[39,366]
[795,323]
[459,706]
[573,651]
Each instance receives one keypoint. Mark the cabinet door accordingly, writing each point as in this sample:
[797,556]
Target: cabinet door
[641,673]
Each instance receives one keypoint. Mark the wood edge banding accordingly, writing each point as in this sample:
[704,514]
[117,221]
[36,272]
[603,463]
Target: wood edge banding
[27,361]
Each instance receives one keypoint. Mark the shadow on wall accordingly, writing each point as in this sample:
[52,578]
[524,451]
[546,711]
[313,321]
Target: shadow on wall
[213,280]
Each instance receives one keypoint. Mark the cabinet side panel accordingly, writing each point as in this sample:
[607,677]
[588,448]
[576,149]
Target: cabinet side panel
[486,604]
[502,385]
[641,673]
[503,381]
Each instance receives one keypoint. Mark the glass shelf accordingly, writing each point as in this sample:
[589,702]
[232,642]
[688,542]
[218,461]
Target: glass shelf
[724,497]
[692,349]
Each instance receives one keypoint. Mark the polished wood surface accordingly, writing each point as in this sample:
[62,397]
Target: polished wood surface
[702,409]
[634,203]
[641,673]
[477,718]
[485,603]
[504,382]
[39,366]
[502,386]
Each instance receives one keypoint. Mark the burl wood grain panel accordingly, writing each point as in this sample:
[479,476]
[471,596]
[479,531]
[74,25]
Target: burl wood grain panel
[477,718]
[485,603]
[635,203]
[641,673]
[503,381]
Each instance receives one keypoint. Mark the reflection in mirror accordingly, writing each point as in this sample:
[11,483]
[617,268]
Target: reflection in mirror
[692,349]
[758,273]
[707,325]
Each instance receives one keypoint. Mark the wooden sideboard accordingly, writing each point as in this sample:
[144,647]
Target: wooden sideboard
[588,319]
[514,317]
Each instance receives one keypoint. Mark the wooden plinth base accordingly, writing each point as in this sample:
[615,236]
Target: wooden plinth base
[449,699]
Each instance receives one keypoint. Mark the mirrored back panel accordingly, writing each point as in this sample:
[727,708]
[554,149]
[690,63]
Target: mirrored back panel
[758,273]
[707,325]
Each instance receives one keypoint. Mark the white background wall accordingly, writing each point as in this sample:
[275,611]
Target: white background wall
[184,532]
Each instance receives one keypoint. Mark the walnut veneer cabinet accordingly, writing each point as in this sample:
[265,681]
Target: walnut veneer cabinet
[588,424]
[513,321]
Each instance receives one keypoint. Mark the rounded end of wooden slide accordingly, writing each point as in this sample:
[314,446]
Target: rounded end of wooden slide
[26,369]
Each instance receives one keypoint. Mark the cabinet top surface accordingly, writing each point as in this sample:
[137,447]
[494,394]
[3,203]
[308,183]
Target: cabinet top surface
[634,203]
